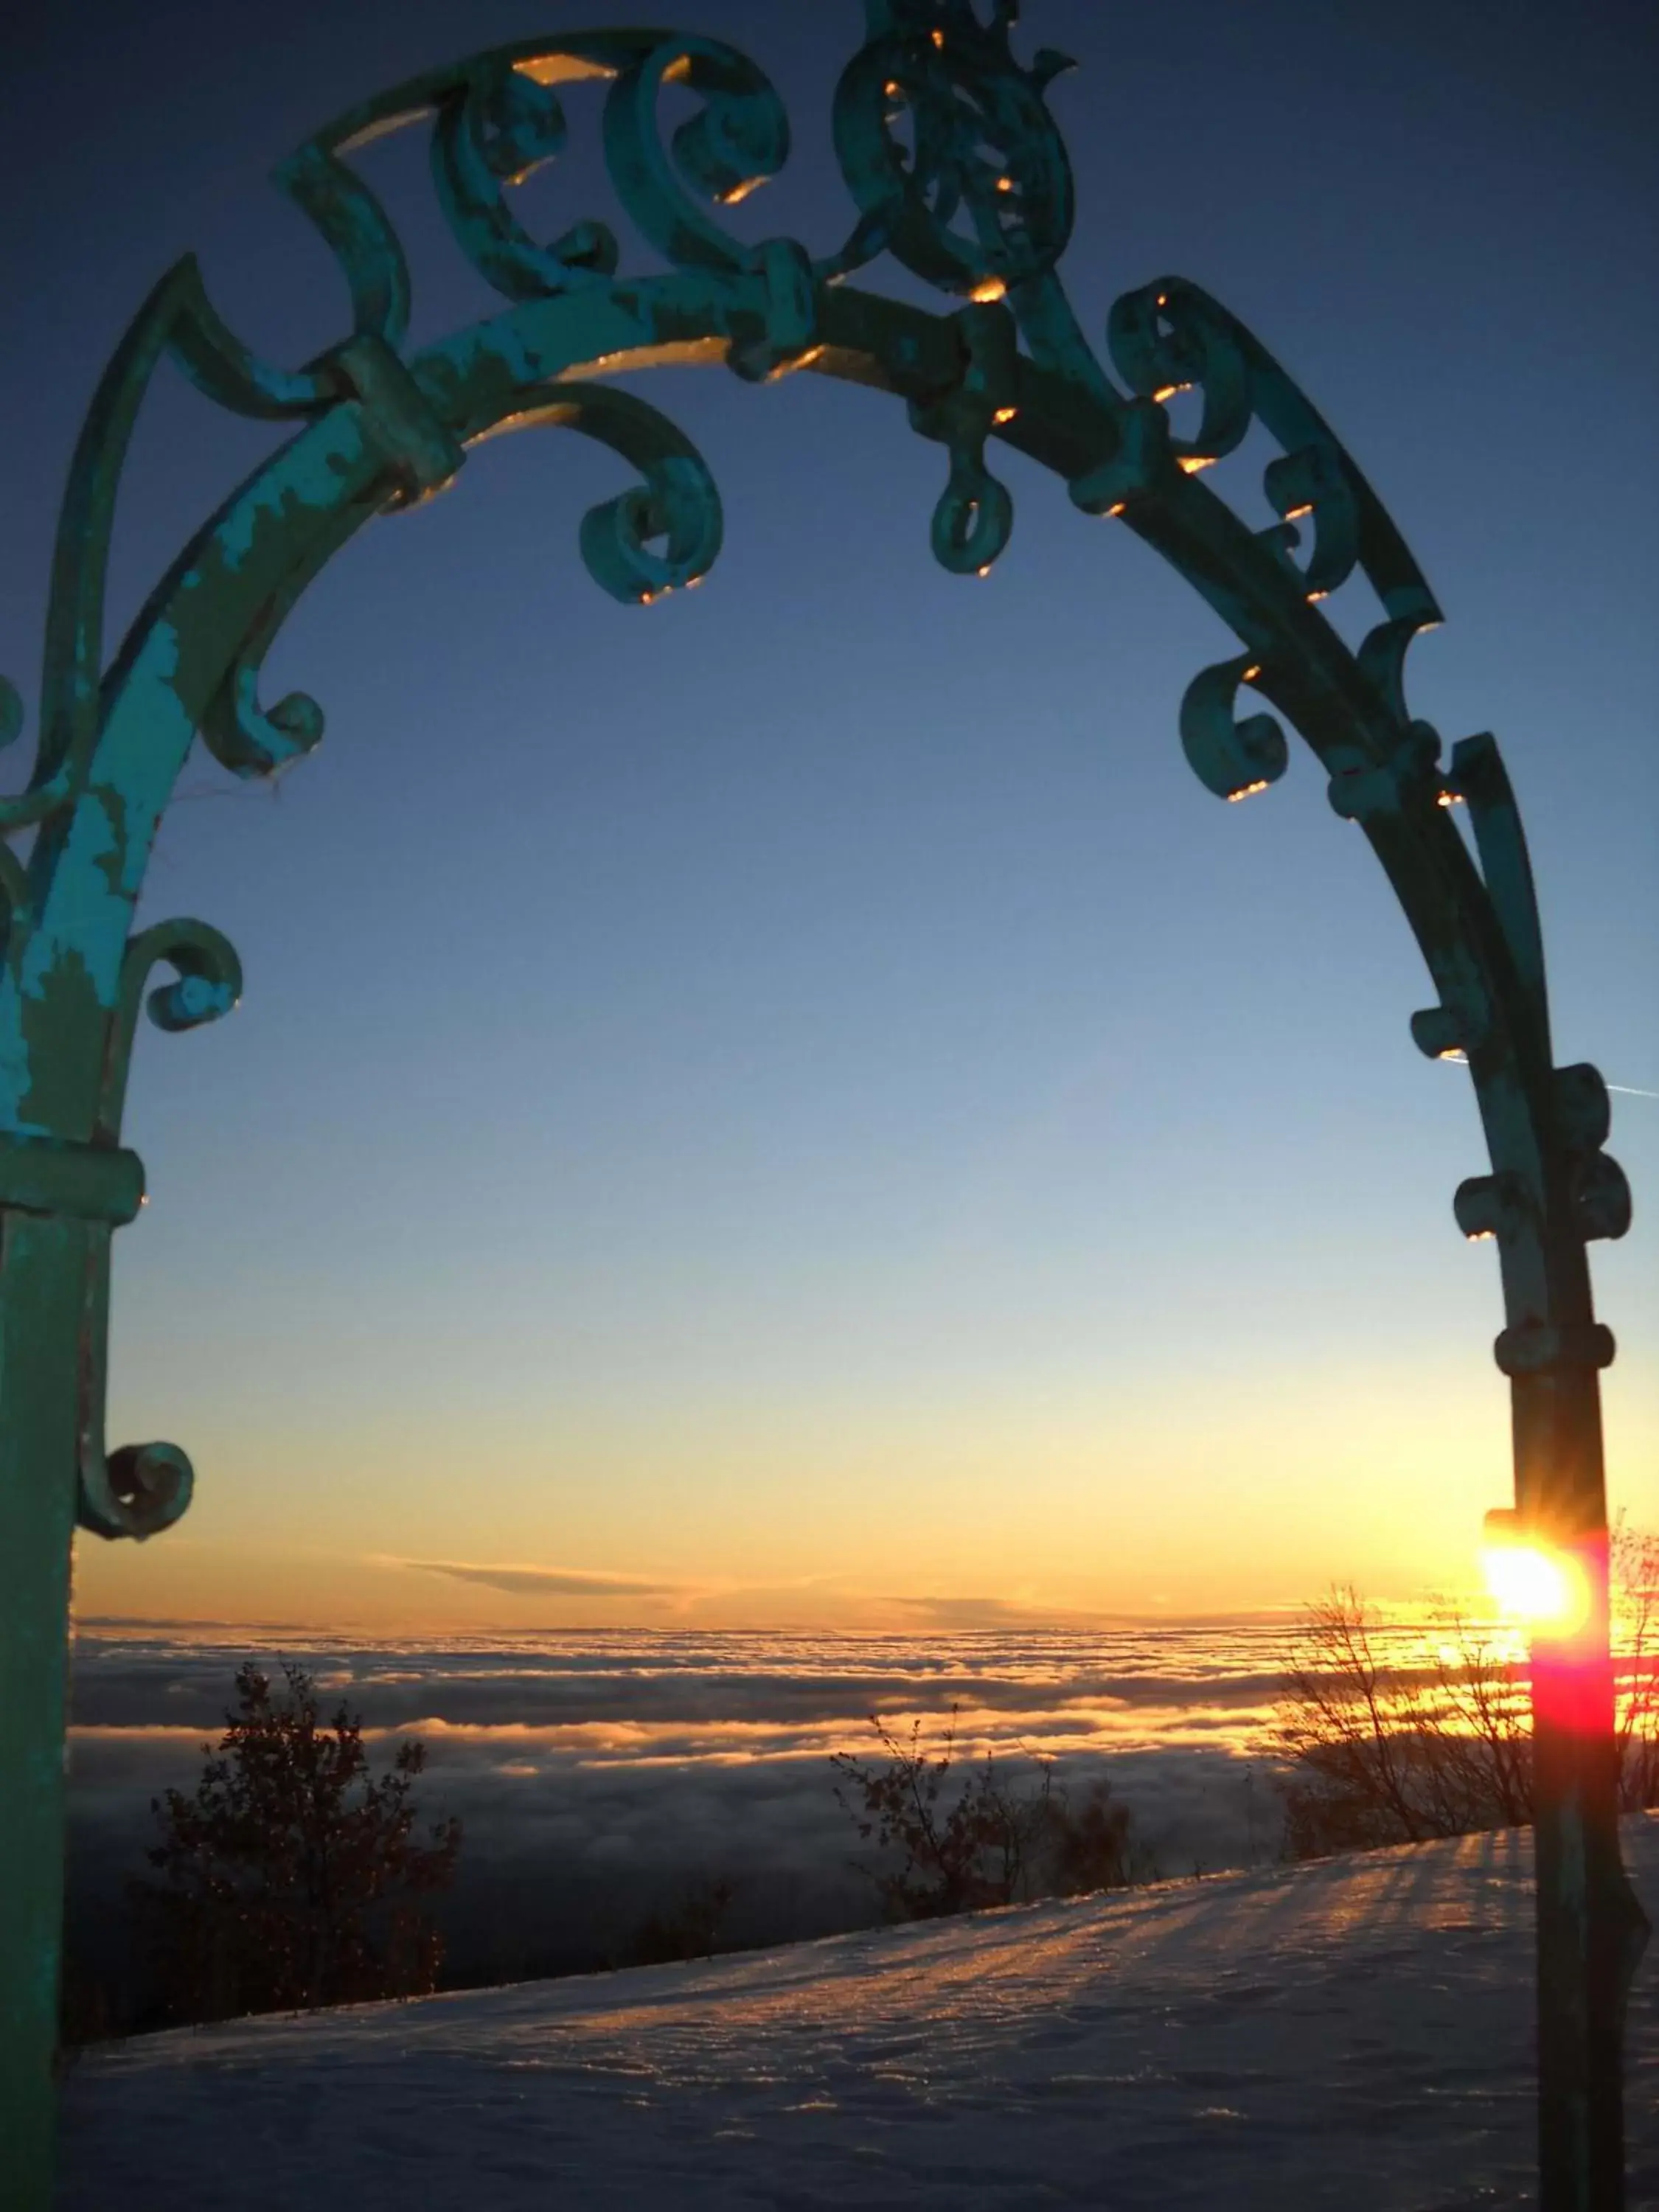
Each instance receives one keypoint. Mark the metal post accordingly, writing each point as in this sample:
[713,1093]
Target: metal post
[1591,1930]
[42,1272]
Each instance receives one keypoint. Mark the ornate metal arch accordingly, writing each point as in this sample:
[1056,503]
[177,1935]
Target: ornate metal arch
[956,168]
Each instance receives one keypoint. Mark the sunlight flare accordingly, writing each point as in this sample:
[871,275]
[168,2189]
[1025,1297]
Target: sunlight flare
[1538,1586]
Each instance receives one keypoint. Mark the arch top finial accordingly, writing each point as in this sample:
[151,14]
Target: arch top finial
[949,150]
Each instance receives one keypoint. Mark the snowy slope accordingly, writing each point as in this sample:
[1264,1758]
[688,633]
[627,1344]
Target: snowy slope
[1353,2034]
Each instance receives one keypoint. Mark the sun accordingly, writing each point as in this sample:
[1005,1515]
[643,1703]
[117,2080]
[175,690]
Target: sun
[1537,1587]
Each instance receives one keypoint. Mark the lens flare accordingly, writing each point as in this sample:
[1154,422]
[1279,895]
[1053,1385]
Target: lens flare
[1542,1588]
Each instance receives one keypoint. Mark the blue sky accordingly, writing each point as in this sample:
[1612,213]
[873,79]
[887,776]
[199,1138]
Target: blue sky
[797,1094]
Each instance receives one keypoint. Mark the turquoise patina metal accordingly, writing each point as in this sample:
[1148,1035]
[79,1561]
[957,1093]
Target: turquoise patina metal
[955,168]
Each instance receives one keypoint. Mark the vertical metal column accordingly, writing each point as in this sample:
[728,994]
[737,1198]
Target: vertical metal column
[42,1271]
[1591,1930]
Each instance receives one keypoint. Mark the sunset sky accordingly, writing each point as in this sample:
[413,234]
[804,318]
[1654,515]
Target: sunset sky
[794,1102]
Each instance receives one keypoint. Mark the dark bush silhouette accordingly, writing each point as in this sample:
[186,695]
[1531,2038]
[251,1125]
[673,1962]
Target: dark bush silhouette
[89,2009]
[290,1878]
[979,1840]
[1377,1755]
[689,1929]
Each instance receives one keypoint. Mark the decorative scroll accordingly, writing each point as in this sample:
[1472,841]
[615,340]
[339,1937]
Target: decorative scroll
[948,147]
[1164,339]
[208,985]
[1171,337]
[252,740]
[1235,759]
[1314,481]
[1386,773]
[499,117]
[496,129]
[661,535]
[738,139]
[138,1491]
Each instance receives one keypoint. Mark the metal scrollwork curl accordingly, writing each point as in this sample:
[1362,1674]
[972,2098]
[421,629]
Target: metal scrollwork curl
[499,126]
[207,986]
[678,504]
[659,536]
[252,740]
[1313,482]
[1171,337]
[1161,342]
[1234,759]
[738,139]
[949,151]
[500,117]
[135,1491]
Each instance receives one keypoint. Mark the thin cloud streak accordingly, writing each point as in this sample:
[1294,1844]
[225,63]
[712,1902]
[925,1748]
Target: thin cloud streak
[985,1613]
[1625,1090]
[545,1582]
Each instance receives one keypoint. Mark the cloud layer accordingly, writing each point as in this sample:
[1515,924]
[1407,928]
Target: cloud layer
[598,1775]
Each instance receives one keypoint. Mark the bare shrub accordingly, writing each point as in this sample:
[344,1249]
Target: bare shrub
[958,1837]
[1381,1754]
[689,1929]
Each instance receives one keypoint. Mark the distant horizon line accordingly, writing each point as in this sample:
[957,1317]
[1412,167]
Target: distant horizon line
[1067,1625]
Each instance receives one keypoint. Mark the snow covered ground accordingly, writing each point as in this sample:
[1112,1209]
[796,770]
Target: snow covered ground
[1355,2034]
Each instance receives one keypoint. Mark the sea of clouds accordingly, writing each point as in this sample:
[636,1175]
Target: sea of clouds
[602,1777]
